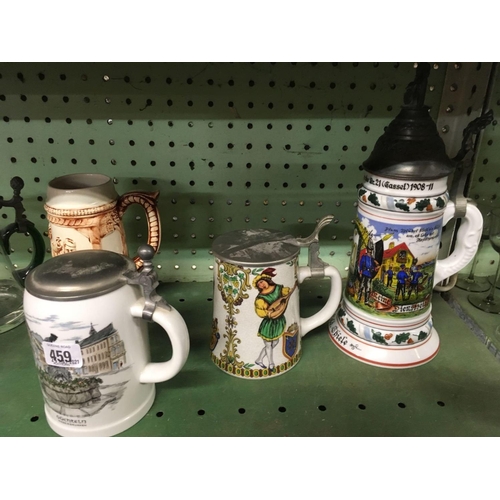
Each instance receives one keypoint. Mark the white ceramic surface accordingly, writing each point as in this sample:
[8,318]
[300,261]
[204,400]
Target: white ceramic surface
[385,315]
[114,386]
[85,212]
[246,341]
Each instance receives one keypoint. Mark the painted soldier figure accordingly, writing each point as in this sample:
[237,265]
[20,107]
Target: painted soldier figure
[390,275]
[416,274]
[401,277]
[368,267]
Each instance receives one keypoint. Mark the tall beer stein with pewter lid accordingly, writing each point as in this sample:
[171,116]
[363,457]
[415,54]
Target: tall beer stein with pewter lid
[385,315]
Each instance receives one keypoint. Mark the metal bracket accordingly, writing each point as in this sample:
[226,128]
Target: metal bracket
[464,160]
[316,264]
[147,279]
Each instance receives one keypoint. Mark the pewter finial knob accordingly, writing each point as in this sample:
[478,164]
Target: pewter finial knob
[147,279]
[146,253]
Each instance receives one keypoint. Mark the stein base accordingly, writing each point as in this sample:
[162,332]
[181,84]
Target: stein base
[382,356]
[102,431]
[259,373]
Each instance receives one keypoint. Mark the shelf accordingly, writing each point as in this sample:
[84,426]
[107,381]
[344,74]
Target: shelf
[326,394]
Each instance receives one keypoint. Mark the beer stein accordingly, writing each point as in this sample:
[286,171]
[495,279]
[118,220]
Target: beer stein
[11,279]
[385,315]
[87,314]
[257,329]
[85,212]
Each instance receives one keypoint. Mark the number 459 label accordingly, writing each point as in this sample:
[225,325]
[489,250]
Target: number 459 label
[65,355]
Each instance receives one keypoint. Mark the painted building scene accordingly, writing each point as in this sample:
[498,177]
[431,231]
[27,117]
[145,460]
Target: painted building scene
[84,390]
[392,266]
[102,351]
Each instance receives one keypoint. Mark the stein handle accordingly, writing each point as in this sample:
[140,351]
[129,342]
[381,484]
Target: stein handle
[174,325]
[38,246]
[328,310]
[148,203]
[467,242]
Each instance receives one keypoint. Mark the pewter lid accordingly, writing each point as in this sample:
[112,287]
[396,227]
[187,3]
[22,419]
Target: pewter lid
[79,275]
[411,147]
[255,247]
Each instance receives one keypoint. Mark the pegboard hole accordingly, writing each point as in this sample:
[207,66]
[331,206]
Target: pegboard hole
[322,408]
[282,409]
[362,407]
[241,411]
[159,414]
[201,412]
[34,418]
[440,403]
[401,405]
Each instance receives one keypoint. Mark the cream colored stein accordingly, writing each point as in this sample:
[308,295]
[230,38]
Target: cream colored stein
[85,212]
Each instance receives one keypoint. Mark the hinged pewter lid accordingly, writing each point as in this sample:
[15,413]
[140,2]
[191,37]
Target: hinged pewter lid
[79,275]
[411,147]
[255,247]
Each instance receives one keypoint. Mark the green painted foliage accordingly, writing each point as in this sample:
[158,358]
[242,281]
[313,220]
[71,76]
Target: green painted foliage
[422,204]
[403,206]
[374,199]
[378,337]
[402,338]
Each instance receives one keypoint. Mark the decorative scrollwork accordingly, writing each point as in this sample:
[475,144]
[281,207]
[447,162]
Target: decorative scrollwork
[232,282]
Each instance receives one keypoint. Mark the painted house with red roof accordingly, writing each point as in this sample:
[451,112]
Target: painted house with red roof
[393,257]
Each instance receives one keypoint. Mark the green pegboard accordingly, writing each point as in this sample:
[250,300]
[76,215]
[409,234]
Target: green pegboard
[310,126]
[227,145]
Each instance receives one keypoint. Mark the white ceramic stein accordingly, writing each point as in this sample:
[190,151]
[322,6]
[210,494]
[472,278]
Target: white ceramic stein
[85,315]
[257,328]
[85,212]
[385,316]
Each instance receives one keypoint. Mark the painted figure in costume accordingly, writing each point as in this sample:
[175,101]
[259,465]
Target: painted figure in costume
[416,274]
[368,267]
[390,275]
[270,305]
[401,277]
